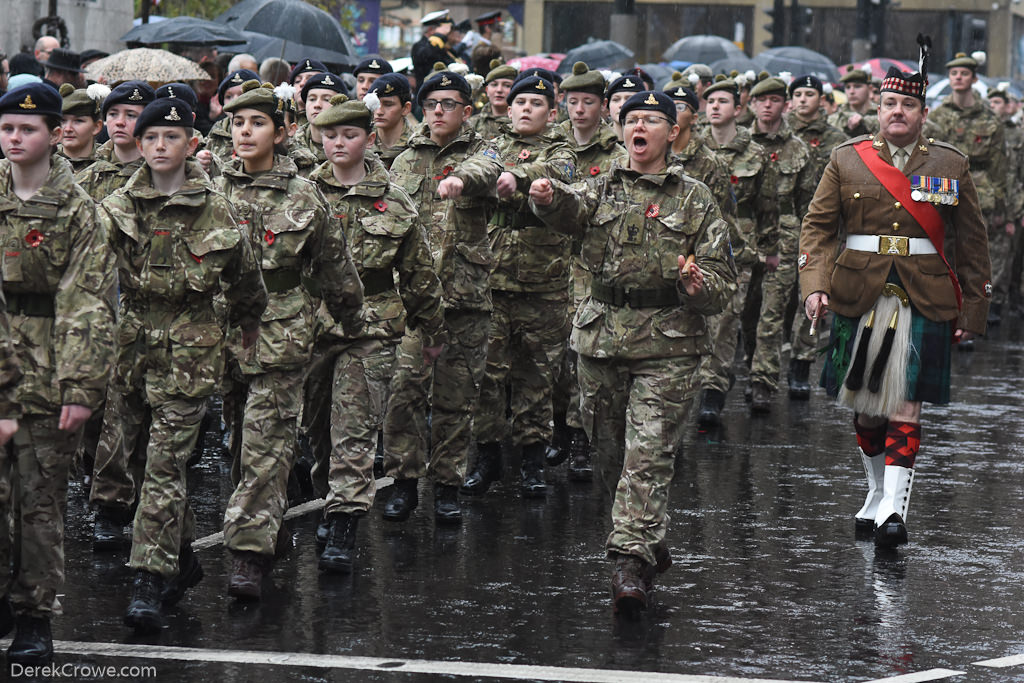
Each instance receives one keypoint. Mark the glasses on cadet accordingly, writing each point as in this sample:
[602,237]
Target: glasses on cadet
[682,106]
[447,104]
[648,119]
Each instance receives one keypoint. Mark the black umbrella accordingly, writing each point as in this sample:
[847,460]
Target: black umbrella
[798,61]
[185,31]
[598,54]
[741,64]
[294,21]
[262,46]
[660,73]
[701,49]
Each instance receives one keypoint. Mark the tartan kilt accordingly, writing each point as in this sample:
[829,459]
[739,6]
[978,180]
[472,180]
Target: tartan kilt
[928,366]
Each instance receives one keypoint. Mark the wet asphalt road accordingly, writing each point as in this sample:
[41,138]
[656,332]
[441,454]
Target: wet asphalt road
[768,580]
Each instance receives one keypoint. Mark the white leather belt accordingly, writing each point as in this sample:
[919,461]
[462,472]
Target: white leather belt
[891,245]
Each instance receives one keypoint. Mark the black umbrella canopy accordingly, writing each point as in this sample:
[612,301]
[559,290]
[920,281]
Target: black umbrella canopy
[184,31]
[293,21]
[598,54]
[798,61]
[741,64]
[701,49]
[262,46]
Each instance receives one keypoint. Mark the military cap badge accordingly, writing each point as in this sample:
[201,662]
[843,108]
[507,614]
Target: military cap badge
[27,103]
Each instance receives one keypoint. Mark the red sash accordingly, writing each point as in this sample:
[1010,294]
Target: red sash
[926,215]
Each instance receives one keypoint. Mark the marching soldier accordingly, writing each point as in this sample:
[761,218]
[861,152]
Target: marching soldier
[859,115]
[368,71]
[82,123]
[897,306]
[316,95]
[493,119]
[390,122]
[219,139]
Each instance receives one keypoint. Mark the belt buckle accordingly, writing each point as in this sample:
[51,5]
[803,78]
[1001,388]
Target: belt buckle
[894,245]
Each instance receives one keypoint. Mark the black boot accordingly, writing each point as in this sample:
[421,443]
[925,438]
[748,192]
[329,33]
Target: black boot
[323,530]
[709,414]
[532,471]
[144,610]
[580,468]
[190,572]
[32,644]
[486,471]
[403,500]
[446,504]
[341,544]
[799,374]
[556,453]
[108,530]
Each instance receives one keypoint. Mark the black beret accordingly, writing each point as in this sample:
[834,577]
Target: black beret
[235,78]
[444,80]
[181,91]
[807,81]
[532,85]
[166,111]
[129,92]
[374,65]
[649,100]
[392,85]
[24,63]
[549,76]
[325,81]
[683,94]
[627,83]
[260,97]
[304,66]
[33,98]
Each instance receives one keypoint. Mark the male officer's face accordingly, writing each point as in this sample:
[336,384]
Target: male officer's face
[961,78]
[900,118]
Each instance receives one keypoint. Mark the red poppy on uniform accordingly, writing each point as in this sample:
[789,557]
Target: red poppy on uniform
[197,259]
[733,179]
[269,237]
[815,142]
[525,154]
[653,210]
[34,238]
[380,205]
[775,156]
[594,170]
[977,138]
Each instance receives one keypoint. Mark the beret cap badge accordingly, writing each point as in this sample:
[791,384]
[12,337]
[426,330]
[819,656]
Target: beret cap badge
[651,99]
[135,96]
[27,103]
[173,116]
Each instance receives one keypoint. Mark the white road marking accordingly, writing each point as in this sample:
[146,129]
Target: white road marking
[929,675]
[409,666]
[1002,662]
[297,511]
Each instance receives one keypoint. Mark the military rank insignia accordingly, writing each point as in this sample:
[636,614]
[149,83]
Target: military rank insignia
[925,188]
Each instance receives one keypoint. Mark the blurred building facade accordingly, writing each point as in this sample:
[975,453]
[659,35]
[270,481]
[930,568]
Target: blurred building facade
[93,24]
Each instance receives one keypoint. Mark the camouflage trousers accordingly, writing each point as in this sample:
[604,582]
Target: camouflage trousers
[120,462]
[34,469]
[346,397]
[776,290]
[724,328]
[164,521]
[635,413]
[267,424]
[528,337]
[449,389]
[1000,249]
[566,398]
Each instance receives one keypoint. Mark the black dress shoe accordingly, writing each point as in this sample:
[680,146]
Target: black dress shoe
[863,529]
[891,533]
[446,504]
[403,500]
[32,644]
[143,613]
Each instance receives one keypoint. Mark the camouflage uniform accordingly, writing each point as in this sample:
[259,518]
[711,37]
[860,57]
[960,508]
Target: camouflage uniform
[303,139]
[753,179]
[978,133]
[174,255]
[868,124]
[387,155]
[288,223]
[78,164]
[489,125]
[457,232]
[530,290]
[796,182]
[219,140]
[348,384]
[638,336]
[107,174]
[593,159]
[57,273]
[1015,201]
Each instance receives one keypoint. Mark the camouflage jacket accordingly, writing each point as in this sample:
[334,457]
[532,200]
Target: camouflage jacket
[868,124]
[753,180]
[78,164]
[795,182]
[978,133]
[488,125]
[820,138]
[386,237]
[706,165]
[528,256]
[456,229]
[634,228]
[57,273]
[596,156]
[219,140]
[10,370]
[387,154]
[1015,172]
[303,139]
[107,174]
[300,248]
[174,255]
